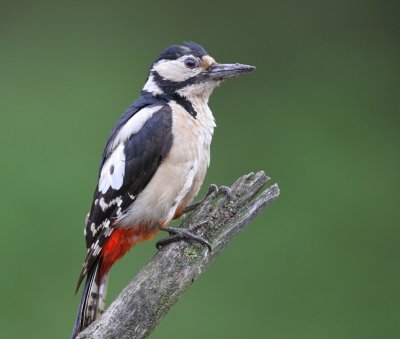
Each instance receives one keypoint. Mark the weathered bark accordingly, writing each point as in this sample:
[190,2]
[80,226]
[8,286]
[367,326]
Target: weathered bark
[149,296]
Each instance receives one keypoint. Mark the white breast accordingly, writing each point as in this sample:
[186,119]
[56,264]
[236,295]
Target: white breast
[180,175]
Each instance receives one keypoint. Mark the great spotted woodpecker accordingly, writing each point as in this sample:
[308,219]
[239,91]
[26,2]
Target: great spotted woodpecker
[153,164]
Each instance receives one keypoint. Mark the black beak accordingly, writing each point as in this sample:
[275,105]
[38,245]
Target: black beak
[224,71]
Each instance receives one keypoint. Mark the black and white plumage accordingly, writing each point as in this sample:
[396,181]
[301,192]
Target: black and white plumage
[153,164]
[127,166]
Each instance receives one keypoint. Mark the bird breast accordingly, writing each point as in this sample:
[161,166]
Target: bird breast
[180,175]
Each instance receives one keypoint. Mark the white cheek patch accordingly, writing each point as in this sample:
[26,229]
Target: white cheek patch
[175,70]
[113,171]
[202,90]
[151,86]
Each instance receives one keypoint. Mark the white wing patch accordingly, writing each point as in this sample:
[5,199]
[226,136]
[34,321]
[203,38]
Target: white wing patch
[134,125]
[113,171]
[104,205]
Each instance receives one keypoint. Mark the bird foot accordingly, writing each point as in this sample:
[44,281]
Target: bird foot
[177,234]
[212,190]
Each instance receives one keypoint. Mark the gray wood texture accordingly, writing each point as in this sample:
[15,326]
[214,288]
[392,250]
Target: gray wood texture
[157,287]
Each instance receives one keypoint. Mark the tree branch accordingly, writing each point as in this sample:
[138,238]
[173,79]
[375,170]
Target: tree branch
[149,296]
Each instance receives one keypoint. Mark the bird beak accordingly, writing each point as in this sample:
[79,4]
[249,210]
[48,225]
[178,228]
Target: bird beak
[224,71]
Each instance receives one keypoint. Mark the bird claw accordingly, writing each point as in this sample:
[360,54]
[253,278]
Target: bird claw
[225,190]
[212,190]
[178,234]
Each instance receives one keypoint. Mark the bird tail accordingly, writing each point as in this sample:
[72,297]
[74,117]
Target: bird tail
[93,298]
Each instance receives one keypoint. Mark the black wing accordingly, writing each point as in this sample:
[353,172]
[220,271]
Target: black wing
[143,152]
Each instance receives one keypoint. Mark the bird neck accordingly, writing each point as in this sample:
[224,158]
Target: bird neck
[193,98]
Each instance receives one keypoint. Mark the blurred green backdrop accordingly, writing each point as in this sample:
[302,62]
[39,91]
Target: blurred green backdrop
[320,116]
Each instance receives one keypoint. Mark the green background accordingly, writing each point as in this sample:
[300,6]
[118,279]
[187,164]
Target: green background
[320,116]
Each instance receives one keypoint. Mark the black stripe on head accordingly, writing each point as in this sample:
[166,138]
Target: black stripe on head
[175,51]
[196,49]
[185,103]
[173,86]
[170,89]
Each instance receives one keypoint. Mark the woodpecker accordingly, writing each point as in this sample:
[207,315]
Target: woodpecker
[153,164]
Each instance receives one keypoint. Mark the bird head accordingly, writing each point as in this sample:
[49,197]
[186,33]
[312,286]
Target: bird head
[189,71]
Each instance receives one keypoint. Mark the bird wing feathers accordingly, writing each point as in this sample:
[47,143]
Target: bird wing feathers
[134,151]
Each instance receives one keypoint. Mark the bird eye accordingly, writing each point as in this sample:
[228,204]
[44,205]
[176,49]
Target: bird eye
[191,63]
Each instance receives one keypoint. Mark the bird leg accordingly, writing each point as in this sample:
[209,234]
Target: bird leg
[213,190]
[177,234]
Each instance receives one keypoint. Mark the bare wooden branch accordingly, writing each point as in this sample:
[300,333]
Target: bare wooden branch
[148,297]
